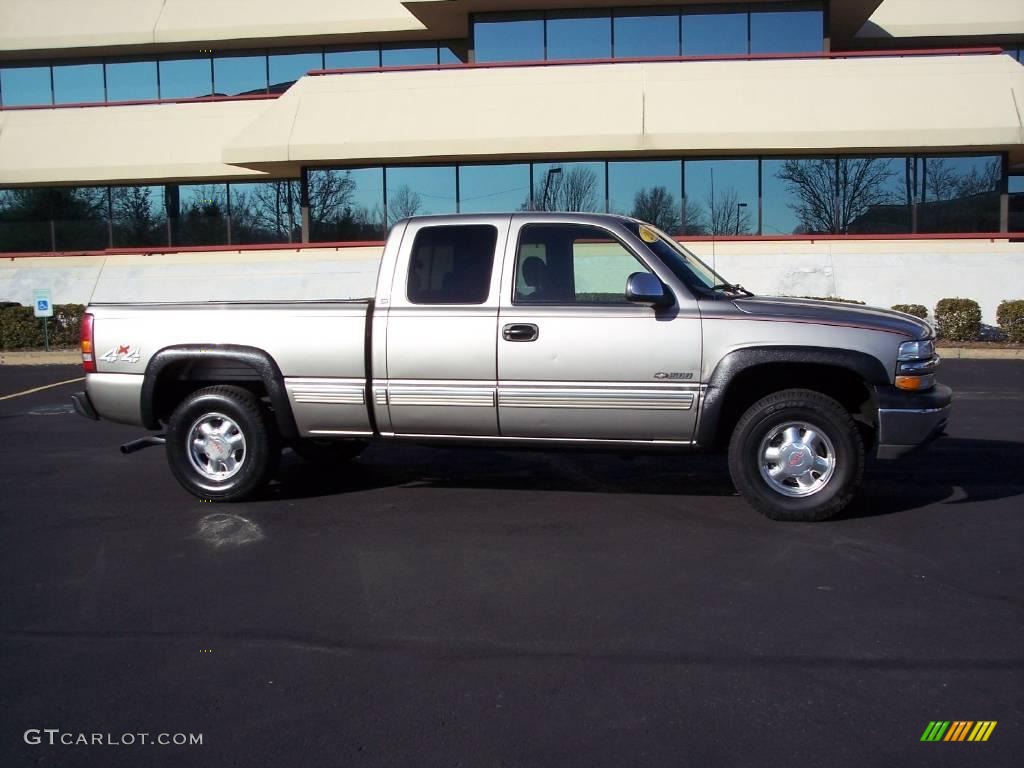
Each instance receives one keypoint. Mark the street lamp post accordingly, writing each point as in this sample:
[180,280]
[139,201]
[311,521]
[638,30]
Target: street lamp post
[547,186]
[738,206]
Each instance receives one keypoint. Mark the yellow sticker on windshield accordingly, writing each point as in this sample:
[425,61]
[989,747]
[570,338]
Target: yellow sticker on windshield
[648,235]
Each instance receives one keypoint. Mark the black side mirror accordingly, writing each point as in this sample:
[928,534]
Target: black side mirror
[645,288]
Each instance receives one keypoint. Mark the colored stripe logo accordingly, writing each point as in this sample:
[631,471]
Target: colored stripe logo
[958,730]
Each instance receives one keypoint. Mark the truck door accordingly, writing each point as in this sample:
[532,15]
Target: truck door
[441,328]
[575,358]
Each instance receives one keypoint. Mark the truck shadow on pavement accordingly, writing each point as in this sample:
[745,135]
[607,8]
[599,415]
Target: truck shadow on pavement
[953,471]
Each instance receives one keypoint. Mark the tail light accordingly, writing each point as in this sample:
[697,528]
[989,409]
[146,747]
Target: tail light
[88,348]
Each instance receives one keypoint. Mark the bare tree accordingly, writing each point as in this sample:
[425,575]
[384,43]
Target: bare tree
[575,190]
[726,214]
[942,182]
[136,222]
[832,194]
[658,206]
[403,203]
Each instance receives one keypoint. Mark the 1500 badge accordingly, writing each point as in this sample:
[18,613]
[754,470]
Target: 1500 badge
[673,375]
[123,353]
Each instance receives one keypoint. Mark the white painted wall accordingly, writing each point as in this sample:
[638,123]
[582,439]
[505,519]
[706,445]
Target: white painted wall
[881,273]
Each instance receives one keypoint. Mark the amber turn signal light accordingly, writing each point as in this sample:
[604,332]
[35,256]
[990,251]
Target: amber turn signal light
[915,383]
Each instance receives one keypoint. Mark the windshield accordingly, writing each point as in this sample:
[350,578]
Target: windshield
[684,265]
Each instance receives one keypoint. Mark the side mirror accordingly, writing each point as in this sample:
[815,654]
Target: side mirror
[645,288]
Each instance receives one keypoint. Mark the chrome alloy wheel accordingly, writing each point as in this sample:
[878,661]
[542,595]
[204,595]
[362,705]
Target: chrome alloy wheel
[797,459]
[216,446]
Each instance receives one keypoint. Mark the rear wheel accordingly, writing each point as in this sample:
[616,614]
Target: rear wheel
[797,455]
[221,444]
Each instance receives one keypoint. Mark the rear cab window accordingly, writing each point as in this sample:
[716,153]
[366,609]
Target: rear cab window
[452,264]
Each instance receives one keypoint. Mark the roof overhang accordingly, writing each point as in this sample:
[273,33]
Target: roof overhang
[449,19]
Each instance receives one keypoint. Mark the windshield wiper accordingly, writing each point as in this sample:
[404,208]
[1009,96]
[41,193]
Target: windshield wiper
[737,288]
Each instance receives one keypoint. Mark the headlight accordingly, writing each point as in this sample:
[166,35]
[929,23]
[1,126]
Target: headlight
[915,369]
[916,350]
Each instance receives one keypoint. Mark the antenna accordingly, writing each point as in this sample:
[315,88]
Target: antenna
[714,264]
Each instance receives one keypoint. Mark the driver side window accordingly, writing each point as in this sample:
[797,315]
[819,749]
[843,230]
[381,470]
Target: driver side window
[572,264]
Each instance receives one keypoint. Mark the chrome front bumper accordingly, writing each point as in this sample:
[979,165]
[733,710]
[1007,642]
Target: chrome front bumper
[908,421]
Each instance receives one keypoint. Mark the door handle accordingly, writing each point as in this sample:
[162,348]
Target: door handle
[520,332]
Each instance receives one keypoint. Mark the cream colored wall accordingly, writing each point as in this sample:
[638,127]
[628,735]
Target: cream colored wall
[945,18]
[732,107]
[66,24]
[129,143]
[879,272]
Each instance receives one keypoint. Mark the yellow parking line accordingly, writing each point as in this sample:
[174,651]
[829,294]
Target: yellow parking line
[40,389]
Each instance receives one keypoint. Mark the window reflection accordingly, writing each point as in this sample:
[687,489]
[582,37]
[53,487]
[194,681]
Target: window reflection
[493,188]
[198,214]
[654,33]
[790,31]
[265,212]
[139,216]
[346,205]
[409,57]
[286,68]
[22,86]
[185,78]
[25,220]
[721,197]
[131,81]
[1016,194]
[352,58]
[579,36]
[960,194]
[651,190]
[714,34]
[568,187]
[508,38]
[77,83]
[418,191]
[240,75]
[80,218]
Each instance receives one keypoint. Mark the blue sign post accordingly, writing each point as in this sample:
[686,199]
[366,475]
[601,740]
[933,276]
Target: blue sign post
[42,305]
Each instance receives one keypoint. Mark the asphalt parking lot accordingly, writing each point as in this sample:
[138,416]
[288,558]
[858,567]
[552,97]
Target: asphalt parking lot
[478,608]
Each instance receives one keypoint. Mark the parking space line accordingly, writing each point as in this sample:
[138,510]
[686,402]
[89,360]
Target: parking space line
[40,389]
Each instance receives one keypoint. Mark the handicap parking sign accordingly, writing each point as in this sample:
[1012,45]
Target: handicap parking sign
[42,303]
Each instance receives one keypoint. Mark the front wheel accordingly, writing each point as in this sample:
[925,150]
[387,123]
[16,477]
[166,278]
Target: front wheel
[221,444]
[796,455]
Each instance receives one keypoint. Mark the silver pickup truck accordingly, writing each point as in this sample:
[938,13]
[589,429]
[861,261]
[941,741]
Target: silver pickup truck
[530,330]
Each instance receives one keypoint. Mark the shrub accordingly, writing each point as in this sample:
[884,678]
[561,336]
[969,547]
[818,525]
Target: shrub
[21,329]
[957,319]
[1010,316]
[831,298]
[917,310]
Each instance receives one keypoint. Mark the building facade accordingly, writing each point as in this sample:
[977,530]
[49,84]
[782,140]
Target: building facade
[178,149]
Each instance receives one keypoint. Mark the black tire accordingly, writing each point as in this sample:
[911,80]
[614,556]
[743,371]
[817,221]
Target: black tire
[328,452]
[828,491]
[254,464]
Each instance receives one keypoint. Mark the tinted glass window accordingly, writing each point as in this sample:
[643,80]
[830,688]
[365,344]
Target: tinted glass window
[286,68]
[22,86]
[960,194]
[265,212]
[508,39]
[185,78]
[408,57]
[199,214]
[793,31]
[77,83]
[140,217]
[346,205]
[721,197]
[650,190]
[651,34]
[80,218]
[568,187]
[572,264]
[25,220]
[714,34]
[131,81]
[493,188]
[448,56]
[237,75]
[420,191]
[352,58]
[452,265]
[1016,190]
[579,37]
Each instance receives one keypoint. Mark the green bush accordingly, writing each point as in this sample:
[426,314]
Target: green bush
[957,319]
[21,329]
[1010,316]
[917,310]
[831,298]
